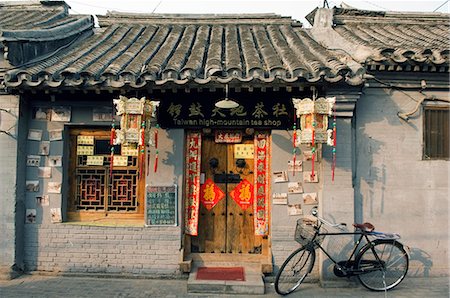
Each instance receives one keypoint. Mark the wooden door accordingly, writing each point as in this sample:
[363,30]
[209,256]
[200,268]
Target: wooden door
[226,228]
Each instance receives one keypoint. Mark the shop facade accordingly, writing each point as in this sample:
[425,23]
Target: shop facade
[126,165]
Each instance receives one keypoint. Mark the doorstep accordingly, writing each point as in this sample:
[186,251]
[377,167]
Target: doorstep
[252,285]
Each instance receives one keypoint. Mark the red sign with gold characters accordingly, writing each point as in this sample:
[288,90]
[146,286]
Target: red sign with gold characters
[210,194]
[193,158]
[242,194]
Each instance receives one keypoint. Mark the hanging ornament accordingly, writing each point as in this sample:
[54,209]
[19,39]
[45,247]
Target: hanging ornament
[333,166]
[313,114]
[313,149]
[111,144]
[294,143]
[156,148]
[142,148]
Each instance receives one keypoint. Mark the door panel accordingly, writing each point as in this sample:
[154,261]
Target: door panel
[226,228]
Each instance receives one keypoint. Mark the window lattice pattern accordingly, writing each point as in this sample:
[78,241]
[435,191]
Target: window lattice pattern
[91,187]
[123,196]
[97,191]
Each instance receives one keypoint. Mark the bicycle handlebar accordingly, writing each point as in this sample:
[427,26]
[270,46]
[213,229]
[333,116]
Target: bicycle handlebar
[340,226]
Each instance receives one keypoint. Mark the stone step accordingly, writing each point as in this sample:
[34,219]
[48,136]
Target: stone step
[253,284]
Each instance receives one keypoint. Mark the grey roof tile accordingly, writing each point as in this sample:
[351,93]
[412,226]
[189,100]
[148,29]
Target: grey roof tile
[136,50]
[397,38]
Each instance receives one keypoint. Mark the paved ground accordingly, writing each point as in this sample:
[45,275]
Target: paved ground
[64,286]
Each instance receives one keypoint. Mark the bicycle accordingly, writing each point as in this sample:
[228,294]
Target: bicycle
[380,264]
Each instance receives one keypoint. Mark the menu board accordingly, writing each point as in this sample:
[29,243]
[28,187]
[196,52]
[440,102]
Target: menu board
[161,206]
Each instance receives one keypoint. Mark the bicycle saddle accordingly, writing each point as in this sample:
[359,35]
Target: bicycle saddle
[367,226]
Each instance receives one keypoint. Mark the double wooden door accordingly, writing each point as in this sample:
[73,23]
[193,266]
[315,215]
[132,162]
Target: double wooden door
[226,228]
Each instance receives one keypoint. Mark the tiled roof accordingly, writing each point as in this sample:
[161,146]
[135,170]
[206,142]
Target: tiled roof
[39,21]
[400,41]
[139,50]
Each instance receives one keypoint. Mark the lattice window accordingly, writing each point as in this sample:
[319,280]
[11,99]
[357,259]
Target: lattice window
[97,189]
[91,189]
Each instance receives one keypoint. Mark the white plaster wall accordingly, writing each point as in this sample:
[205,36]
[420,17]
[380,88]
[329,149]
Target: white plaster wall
[394,188]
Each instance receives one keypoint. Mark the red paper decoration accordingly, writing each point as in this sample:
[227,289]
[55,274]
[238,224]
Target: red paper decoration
[210,194]
[242,194]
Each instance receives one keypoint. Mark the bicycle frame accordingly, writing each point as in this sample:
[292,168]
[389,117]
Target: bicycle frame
[346,266]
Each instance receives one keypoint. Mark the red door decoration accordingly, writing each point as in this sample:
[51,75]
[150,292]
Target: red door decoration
[242,194]
[193,158]
[260,204]
[313,114]
[210,194]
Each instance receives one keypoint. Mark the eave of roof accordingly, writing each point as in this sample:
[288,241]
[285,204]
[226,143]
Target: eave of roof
[138,51]
[399,41]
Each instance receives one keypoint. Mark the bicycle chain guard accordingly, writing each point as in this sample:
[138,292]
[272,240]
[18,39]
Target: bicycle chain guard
[344,268]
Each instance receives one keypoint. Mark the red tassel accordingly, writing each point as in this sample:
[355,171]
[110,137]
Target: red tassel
[148,162]
[313,149]
[156,162]
[334,145]
[156,147]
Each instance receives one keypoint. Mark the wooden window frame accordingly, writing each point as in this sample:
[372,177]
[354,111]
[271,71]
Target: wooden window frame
[428,153]
[100,216]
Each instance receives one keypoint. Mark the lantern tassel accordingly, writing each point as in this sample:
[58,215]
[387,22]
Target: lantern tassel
[156,147]
[333,166]
[313,151]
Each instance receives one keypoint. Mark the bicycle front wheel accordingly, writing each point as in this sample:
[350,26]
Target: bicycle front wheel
[386,271]
[294,270]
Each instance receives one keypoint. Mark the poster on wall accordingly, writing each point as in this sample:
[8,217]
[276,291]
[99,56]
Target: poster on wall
[295,187]
[55,214]
[40,113]
[310,198]
[161,206]
[30,216]
[44,148]
[33,160]
[55,134]
[35,134]
[295,209]
[61,114]
[43,200]
[55,161]
[32,185]
[280,177]
[44,172]
[102,114]
[54,187]
[280,198]
[295,167]
[308,178]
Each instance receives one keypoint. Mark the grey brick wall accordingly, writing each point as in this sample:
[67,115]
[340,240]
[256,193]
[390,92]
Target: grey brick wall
[111,250]
[11,173]
[395,188]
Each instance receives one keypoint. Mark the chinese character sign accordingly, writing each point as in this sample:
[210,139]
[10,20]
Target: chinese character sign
[242,194]
[210,194]
[261,186]
[192,182]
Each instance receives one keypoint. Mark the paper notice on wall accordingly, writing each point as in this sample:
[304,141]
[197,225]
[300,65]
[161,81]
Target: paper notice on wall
[85,150]
[120,161]
[245,151]
[94,160]
[85,140]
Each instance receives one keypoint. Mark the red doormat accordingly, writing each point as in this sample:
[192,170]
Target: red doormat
[221,273]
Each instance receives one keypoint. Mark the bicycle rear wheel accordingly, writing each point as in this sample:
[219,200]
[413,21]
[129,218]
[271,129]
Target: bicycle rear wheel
[294,270]
[386,273]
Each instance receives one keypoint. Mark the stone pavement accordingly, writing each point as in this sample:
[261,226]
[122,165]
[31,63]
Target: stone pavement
[83,286]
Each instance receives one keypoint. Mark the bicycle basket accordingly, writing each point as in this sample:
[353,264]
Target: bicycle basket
[304,233]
